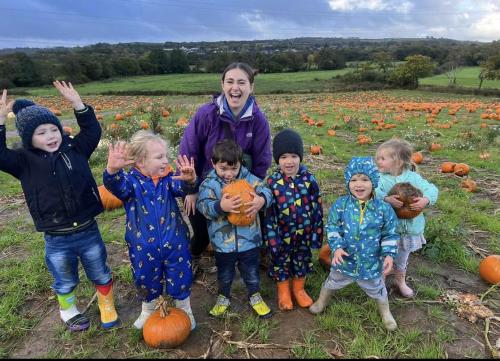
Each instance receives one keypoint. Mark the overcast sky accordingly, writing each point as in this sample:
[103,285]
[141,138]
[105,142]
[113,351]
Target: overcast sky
[51,23]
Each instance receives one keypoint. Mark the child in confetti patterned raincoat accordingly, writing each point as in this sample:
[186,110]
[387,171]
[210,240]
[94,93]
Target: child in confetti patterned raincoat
[361,231]
[294,223]
[156,235]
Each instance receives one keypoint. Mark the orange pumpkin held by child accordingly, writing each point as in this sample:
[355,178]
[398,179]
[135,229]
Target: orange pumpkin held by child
[243,189]
[406,194]
[325,256]
[489,269]
[167,327]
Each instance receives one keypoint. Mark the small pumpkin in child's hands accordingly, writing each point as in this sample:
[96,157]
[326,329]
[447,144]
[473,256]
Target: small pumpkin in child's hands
[243,189]
[325,256]
[167,327]
[406,194]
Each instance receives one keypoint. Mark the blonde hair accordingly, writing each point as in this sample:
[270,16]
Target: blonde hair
[399,150]
[136,149]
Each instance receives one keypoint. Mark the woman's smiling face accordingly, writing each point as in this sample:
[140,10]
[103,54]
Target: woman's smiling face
[237,88]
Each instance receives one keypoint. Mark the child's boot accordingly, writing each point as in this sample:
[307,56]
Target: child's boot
[323,299]
[385,312]
[299,293]
[400,282]
[284,296]
[185,305]
[109,317]
[220,306]
[74,320]
[147,309]
[260,306]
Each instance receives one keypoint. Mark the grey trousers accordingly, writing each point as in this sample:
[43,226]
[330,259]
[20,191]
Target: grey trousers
[374,288]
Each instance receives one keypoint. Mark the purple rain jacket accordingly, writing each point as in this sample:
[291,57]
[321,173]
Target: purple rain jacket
[206,128]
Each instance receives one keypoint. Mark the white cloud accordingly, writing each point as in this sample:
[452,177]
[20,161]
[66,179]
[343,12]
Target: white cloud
[373,5]
[487,27]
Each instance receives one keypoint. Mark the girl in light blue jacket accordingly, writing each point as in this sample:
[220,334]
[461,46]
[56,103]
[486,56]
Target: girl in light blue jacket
[394,162]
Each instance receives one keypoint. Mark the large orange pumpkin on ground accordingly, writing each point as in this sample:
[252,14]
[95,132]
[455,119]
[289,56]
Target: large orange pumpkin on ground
[243,189]
[447,167]
[489,269]
[405,192]
[109,201]
[167,327]
[417,157]
[461,169]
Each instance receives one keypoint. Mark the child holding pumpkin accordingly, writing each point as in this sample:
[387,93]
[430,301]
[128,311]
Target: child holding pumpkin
[233,243]
[62,198]
[396,166]
[294,223]
[156,235]
[361,231]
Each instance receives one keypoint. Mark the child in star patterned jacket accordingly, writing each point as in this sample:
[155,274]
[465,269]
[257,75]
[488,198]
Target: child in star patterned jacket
[156,235]
[294,223]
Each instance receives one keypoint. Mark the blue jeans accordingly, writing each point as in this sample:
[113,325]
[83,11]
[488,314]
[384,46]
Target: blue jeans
[62,253]
[248,265]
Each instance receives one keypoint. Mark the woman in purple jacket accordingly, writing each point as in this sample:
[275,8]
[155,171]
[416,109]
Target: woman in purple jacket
[233,114]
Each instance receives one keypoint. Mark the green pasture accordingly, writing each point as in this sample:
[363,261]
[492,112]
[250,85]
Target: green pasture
[466,77]
[297,82]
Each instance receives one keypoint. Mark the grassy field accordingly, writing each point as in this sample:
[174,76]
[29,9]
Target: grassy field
[206,83]
[461,229]
[466,77]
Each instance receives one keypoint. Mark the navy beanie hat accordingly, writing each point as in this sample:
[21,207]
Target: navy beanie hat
[287,141]
[29,116]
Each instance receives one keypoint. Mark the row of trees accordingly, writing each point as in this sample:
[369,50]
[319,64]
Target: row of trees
[104,61]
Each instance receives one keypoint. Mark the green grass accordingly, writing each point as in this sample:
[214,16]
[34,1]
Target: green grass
[466,77]
[205,83]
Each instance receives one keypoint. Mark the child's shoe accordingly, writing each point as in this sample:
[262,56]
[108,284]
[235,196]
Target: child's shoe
[324,298]
[72,318]
[389,322]
[221,306]
[109,317]
[400,282]
[284,296]
[185,305]
[147,309]
[299,293]
[260,306]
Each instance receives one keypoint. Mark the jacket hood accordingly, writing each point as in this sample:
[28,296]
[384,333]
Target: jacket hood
[361,165]
[218,99]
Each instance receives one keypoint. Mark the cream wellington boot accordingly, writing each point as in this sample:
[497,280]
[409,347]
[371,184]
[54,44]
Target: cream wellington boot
[147,309]
[185,305]
[323,299]
[389,322]
[400,282]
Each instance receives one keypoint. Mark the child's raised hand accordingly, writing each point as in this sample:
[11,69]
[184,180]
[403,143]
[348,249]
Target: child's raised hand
[387,266]
[186,167]
[230,204]
[419,203]
[394,201]
[70,94]
[337,256]
[5,107]
[117,157]
[254,205]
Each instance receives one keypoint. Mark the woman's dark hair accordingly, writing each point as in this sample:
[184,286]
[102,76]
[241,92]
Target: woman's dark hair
[227,150]
[243,66]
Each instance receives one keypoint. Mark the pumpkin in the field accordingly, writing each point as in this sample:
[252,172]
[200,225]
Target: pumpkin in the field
[167,327]
[406,194]
[243,189]
[109,201]
[489,269]
[325,256]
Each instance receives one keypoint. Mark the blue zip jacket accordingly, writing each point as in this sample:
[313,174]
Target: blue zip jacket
[365,230]
[154,223]
[226,237]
